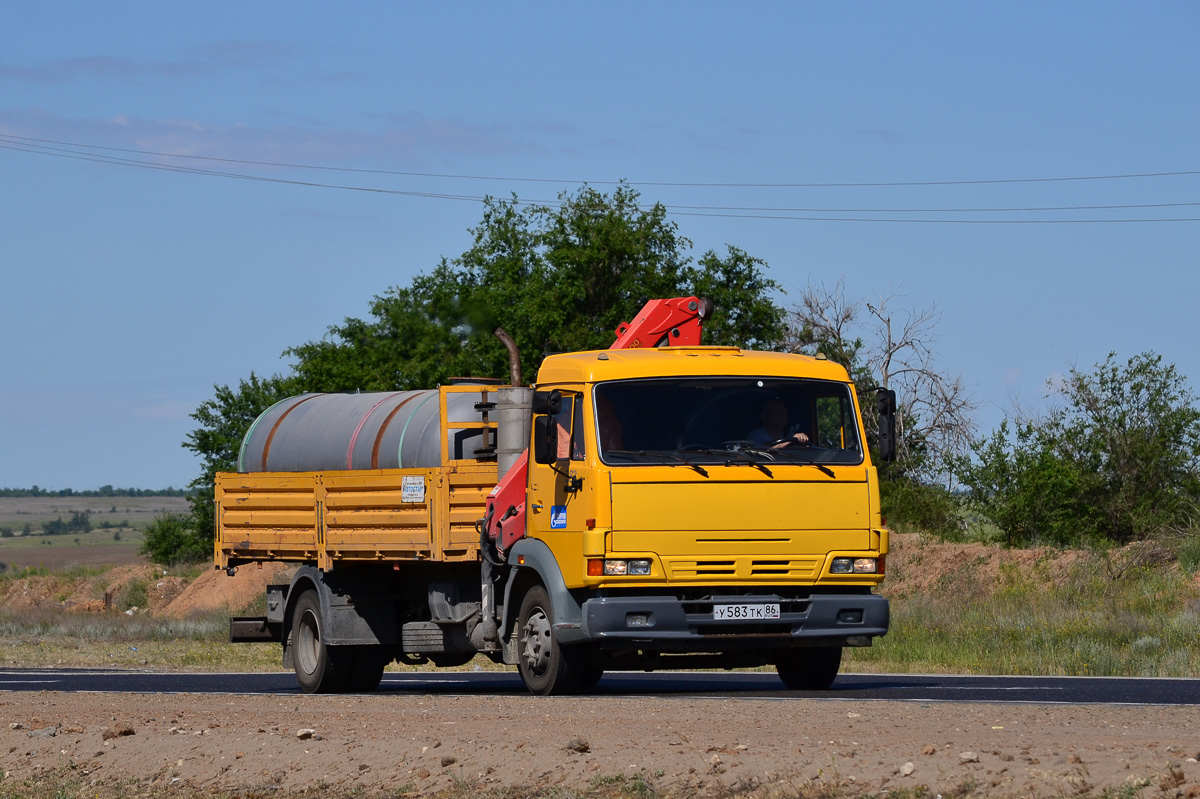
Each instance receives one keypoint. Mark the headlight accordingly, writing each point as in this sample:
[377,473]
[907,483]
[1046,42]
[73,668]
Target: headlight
[623,567]
[853,566]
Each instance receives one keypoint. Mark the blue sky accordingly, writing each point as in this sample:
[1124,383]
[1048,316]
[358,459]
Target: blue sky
[129,292]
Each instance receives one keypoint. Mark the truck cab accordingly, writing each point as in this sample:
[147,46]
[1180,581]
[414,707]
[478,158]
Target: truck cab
[695,507]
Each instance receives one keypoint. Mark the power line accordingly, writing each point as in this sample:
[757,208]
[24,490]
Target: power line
[660,184]
[102,159]
[682,208]
[936,221]
[41,147]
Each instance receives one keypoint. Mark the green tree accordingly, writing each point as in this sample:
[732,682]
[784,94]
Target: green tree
[223,422]
[1118,461]
[557,278]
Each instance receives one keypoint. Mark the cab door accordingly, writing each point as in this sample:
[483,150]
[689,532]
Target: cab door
[561,505]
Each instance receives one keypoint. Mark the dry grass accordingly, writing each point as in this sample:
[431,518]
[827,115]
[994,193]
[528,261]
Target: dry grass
[44,638]
[956,608]
[973,609]
[117,524]
[138,511]
[69,783]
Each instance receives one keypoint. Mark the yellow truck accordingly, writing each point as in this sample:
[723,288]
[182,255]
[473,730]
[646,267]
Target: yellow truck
[678,507]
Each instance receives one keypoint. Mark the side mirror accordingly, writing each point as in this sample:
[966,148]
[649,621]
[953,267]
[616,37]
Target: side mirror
[547,402]
[545,438]
[885,406]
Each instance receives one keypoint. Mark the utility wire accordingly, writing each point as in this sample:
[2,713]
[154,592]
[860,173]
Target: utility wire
[41,147]
[102,159]
[935,221]
[452,176]
[682,208]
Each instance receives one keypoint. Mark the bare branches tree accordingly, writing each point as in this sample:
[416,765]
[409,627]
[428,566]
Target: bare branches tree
[891,348]
[822,323]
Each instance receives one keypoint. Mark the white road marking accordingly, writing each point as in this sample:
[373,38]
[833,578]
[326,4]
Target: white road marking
[27,682]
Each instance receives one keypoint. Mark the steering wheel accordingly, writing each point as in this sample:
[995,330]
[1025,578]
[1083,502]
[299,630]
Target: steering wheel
[785,443]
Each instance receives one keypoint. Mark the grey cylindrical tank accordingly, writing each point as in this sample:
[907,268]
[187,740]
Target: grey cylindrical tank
[375,430]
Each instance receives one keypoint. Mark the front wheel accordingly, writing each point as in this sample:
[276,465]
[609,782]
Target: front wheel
[544,667]
[809,669]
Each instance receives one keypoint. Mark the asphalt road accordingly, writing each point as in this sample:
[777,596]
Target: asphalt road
[759,685]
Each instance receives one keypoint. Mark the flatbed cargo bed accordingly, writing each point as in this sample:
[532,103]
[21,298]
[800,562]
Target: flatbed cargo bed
[331,518]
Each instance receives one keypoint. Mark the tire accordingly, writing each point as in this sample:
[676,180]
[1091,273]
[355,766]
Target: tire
[809,669]
[541,661]
[365,665]
[588,673]
[587,664]
[318,669]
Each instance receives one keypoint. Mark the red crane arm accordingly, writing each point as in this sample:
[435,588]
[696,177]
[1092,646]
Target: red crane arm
[664,323]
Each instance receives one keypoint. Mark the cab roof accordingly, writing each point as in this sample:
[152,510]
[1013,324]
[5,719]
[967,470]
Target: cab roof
[594,366]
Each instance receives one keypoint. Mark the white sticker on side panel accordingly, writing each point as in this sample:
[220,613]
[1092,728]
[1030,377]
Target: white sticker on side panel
[412,488]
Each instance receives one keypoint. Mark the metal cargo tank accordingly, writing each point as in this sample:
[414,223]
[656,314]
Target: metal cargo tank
[374,430]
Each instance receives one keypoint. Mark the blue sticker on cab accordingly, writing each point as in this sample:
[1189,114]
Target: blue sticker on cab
[558,517]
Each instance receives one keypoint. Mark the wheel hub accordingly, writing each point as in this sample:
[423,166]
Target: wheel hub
[535,638]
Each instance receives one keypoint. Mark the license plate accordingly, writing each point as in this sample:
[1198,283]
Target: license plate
[769,611]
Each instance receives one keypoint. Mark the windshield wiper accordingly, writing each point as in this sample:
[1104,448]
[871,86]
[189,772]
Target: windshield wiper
[771,454]
[745,458]
[641,453]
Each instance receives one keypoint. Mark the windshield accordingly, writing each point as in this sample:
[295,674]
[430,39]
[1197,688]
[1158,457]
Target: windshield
[726,420]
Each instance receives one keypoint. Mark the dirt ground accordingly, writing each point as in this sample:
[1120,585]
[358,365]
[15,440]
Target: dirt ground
[419,745]
[422,744]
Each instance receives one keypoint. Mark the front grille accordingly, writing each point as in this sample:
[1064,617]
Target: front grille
[748,568]
[703,568]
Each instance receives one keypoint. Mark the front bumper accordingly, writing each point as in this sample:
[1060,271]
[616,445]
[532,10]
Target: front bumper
[671,624]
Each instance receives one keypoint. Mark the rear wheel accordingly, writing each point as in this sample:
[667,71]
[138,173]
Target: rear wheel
[366,665]
[812,669]
[318,669]
[540,659]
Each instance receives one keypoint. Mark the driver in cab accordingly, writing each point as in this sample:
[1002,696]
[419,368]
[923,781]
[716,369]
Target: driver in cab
[775,432]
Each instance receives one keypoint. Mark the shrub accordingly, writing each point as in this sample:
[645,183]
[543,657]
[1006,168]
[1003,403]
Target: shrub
[1120,461]
[80,523]
[6,532]
[134,595]
[1187,551]
[910,505]
[171,538]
